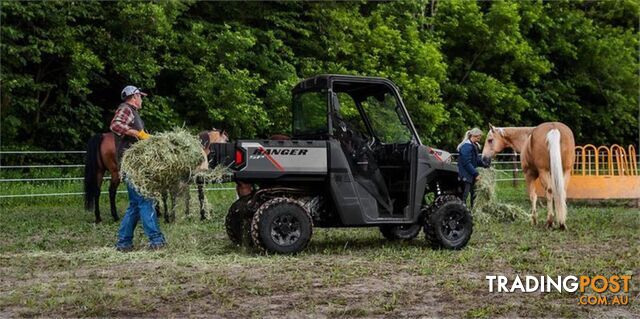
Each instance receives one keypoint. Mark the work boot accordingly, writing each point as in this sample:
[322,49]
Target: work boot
[124,249]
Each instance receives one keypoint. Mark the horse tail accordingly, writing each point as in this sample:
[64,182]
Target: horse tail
[91,187]
[557,176]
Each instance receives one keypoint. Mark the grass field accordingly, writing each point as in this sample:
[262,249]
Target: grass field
[55,262]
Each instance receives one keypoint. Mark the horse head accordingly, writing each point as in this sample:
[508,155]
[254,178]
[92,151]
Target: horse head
[218,136]
[494,144]
[212,136]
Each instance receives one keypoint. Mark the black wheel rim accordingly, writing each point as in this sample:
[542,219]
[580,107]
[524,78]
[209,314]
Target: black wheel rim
[285,230]
[454,226]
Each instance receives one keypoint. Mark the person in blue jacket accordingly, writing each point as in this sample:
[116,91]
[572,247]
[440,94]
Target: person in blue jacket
[468,160]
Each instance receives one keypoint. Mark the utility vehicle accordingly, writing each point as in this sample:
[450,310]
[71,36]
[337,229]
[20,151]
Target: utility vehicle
[354,159]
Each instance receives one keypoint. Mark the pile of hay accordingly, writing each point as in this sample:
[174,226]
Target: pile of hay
[486,206]
[165,162]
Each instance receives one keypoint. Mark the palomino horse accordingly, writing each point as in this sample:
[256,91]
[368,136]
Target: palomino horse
[546,152]
[101,157]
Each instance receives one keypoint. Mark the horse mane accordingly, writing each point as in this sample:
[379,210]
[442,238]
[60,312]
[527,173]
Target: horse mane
[204,138]
[515,136]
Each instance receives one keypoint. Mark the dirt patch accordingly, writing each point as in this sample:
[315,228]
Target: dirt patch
[165,288]
[402,294]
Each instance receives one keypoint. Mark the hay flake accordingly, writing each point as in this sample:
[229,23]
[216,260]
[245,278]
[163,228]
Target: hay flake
[486,206]
[162,163]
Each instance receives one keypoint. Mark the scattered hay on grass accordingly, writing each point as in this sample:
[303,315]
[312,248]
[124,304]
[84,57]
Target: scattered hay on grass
[164,162]
[486,206]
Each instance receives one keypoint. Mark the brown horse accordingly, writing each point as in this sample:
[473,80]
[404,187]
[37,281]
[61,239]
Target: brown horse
[101,157]
[546,152]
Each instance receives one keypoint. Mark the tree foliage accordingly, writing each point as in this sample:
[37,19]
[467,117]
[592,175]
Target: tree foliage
[232,65]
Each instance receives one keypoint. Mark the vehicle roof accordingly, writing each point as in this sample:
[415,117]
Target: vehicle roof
[324,81]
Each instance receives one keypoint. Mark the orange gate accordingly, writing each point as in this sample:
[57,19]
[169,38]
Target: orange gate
[603,173]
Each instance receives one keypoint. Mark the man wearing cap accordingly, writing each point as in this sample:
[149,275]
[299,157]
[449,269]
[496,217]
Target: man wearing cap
[129,128]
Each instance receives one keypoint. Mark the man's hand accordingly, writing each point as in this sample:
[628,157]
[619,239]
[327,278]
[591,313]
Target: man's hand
[142,135]
[478,178]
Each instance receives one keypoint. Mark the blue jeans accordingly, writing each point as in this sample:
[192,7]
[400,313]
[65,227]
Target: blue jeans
[139,208]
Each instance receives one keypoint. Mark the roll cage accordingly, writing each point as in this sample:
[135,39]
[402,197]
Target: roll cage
[359,88]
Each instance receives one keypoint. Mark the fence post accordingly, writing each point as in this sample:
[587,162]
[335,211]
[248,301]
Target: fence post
[515,169]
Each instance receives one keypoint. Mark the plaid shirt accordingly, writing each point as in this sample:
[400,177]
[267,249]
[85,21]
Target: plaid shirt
[122,121]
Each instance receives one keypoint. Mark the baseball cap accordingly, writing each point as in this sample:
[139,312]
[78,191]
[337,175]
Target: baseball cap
[130,90]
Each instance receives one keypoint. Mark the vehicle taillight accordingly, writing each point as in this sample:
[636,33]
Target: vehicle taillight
[239,160]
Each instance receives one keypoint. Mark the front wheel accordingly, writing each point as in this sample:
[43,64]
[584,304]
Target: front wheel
[448,223]
[400,232]
[281,225]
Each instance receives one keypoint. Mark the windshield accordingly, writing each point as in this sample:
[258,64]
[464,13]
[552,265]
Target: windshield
[310,113]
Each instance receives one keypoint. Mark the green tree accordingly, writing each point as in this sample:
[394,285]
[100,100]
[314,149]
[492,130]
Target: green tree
[232,65]
[65,63]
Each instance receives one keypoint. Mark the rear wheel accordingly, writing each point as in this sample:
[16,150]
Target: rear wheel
[400,232]
[237,223]
[448,223]
[281,225]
